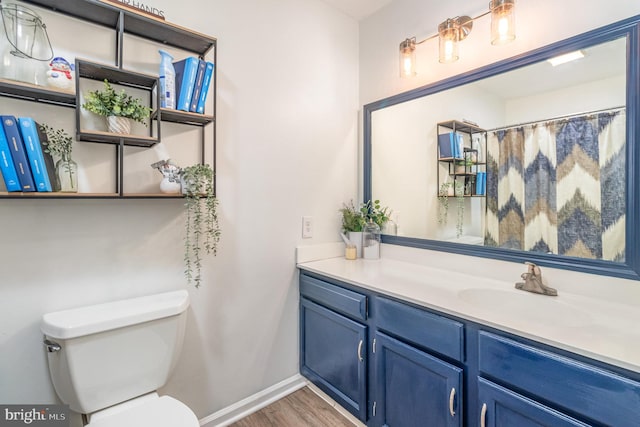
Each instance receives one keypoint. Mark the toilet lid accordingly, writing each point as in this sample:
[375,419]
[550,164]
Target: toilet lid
[162,412]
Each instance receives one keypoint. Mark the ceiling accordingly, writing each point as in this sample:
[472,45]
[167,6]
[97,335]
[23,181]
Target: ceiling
[358,9]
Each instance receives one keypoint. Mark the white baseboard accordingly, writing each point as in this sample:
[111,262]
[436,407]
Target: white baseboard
[348,415]
[251,404]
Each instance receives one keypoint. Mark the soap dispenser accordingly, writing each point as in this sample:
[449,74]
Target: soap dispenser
[371,241]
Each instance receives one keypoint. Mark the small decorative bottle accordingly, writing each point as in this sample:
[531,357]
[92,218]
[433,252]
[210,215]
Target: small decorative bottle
[67,171]
[371,241]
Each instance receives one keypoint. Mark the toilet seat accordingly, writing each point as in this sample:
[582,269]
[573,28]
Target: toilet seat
[153,411]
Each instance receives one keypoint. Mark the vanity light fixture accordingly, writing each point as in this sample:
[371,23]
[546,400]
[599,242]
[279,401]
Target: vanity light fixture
[408,57]
[450,32]
[567,57]
[453,30]
[503,21]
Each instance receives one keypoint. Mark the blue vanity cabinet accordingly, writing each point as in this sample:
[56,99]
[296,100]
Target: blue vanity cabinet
[414,388]
[333,347]
[572,386]
[501,407]
[413,383]
[395,364]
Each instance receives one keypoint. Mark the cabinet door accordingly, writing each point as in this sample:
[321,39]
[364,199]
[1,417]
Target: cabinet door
[413,388]
[332,355]
[500,407]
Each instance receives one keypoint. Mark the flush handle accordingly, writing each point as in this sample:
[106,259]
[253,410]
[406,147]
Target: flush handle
[51,346]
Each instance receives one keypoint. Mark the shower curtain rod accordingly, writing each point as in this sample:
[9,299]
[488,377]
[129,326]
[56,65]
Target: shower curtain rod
[568,116]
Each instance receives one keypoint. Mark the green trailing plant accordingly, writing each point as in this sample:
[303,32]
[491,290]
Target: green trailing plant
[443,199]
[354,218]
[108,102]
[202,230]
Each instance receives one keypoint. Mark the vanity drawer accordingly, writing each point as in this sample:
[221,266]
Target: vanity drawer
[339,299]
[600,395]
[437,333]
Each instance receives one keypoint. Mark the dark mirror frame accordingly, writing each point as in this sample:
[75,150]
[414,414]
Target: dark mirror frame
[630,269]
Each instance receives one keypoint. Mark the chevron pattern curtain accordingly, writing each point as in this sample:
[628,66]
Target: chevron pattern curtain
[559,187]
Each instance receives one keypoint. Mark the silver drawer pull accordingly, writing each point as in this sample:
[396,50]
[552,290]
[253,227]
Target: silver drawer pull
[452,396]
[483,415]
[360,358]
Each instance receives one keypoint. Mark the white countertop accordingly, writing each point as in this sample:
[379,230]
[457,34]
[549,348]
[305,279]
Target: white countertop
[599,328]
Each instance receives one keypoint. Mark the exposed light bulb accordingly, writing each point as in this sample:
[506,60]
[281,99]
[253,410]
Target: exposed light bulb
[408,58]
[503,21]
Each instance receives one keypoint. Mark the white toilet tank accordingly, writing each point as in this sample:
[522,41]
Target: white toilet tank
[105,354]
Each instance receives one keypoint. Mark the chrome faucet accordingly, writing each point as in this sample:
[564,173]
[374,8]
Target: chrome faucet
[533,281]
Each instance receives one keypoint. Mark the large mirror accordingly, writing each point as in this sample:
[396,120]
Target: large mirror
[521,160]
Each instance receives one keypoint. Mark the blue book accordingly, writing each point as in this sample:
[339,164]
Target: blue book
[459,146]
[185,81]
[481,182]
[206,82]
[484,183]
[18,153]
[445,145]
[198,86]
[7,167]
[29,132]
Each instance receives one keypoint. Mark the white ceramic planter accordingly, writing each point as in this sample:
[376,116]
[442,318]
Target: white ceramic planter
[117,124]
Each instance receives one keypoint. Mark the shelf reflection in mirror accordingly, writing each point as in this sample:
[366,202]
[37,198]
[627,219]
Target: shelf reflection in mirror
[557,155]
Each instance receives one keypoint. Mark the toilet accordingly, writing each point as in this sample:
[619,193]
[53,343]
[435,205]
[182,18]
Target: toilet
[106,361]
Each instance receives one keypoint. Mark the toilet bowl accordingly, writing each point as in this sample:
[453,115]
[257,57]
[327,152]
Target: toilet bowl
[108,360]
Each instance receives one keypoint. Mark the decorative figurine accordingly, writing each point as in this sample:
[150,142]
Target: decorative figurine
[59,75]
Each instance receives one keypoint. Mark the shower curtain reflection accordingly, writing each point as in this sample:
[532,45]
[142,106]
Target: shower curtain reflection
[559,186]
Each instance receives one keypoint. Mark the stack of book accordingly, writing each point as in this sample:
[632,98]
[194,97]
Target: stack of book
[193,77]
[24,162]
[451,145]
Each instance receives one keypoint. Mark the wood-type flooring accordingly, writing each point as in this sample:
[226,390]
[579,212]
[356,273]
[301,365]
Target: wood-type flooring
[302,408]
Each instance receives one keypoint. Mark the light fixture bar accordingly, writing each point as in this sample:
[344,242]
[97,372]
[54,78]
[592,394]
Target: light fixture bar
[453,30]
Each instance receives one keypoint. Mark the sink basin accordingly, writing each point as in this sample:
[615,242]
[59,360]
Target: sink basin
[527,306]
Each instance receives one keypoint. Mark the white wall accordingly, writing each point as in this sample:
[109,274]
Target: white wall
[538,23]
[287,147]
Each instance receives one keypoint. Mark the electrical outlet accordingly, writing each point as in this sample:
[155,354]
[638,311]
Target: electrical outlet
[307,227]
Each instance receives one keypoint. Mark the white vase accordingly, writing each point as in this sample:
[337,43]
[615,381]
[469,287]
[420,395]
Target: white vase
[169,186]
[117,124]
[355,237]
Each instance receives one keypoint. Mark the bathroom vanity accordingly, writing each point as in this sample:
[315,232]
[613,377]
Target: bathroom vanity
[402,344]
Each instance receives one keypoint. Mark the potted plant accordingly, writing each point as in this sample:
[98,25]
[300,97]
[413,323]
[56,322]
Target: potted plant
[59,144]
[451,188]
[117,107]
[355,218]
[202,230]
[463,166]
